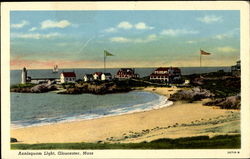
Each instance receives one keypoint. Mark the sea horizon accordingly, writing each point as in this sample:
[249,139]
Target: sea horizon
[119,67]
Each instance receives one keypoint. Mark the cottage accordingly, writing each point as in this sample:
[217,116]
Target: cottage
[68,77]
[168,74]
[236,69]
[106,76]
[88,77]
[97,75]
[126,73]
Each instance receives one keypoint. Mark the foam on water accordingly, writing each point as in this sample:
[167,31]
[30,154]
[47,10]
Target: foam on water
[159,102]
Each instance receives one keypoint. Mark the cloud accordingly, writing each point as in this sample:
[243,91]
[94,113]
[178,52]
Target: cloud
[20,25]
[229,34]
[18,63]
[142,26]
[226,49]
[33,29]
[111,30]
[209,19]
[221,36]
[120,40]
[125,25]
[55,24]
[176,32]
[35,35]
[149,38]
[191,42]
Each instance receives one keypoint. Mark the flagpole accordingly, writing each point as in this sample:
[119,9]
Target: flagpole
[200,58]
[104,63]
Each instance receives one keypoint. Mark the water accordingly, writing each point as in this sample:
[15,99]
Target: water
[15,75]
[29,109]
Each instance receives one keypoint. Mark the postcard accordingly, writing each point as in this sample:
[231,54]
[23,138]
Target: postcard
[125,80]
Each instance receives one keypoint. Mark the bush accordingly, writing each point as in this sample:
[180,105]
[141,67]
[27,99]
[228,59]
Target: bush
[27,85]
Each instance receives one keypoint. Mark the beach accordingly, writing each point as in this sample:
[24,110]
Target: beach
[178,120]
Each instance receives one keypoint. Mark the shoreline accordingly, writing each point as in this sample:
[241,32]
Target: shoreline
[178,120]
[163,102]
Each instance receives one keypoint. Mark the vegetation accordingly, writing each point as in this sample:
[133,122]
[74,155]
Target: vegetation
[220,83]
[104,87]
[199,142]
[27,85]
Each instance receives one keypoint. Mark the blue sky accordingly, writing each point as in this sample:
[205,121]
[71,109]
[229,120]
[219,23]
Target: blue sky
[76,39]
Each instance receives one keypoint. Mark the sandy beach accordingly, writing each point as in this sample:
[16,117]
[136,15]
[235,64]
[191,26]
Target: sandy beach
[178,120]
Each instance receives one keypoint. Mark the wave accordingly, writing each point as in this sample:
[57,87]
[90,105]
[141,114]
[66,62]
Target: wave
[160,102]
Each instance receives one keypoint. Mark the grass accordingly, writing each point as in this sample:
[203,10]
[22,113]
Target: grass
[27,85]
[199,142]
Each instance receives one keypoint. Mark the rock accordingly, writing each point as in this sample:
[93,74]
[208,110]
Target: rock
[93,88]
[232,102]
[71,91]
[13,140]
[190,95]
[40,88]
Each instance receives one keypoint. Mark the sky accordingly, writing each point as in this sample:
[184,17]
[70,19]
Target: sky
[77,39]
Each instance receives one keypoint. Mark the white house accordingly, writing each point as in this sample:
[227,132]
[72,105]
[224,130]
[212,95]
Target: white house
[88,77]
[106,76]
[168,74]
[97,75]
[68,77]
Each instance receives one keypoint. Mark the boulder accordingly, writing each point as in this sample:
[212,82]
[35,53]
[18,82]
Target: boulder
[190,95]
[40,88]
[232,102]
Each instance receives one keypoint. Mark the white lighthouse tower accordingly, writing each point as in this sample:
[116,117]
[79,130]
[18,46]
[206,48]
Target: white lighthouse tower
[24,76]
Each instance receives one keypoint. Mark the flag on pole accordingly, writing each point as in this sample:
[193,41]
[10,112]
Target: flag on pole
[204,53]
[106,53]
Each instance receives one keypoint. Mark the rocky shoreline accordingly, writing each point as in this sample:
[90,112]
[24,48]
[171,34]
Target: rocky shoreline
[77,88]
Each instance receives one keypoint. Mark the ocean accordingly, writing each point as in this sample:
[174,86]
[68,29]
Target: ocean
[28,109]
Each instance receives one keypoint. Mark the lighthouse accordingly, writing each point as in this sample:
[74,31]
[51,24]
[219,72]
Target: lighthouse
[24,76]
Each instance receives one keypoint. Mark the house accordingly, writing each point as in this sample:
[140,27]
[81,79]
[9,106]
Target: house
[126,73]
[97,75]
[106,76]
[88,77]
[68,77]
[236,69]
[168,74]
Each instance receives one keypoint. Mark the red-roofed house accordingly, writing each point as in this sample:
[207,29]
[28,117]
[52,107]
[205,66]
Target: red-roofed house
[168,74]
[126,73]
[68,77]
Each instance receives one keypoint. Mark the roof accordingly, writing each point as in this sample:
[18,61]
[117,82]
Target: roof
[162,69]
[69,74]
[167,68]
[126,69]
[98,73]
